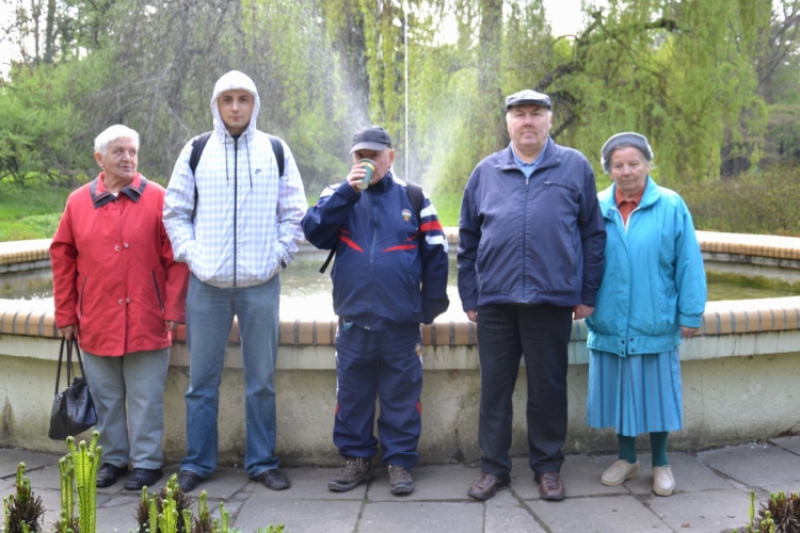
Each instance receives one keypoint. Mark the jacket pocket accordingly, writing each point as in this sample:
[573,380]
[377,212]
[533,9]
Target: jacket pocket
[80,297]
[158,292]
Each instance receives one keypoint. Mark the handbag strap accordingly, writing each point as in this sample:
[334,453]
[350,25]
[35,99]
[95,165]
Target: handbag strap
[69,345]
[78,354]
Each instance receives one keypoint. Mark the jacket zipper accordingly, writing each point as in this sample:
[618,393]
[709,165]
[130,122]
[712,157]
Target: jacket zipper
[524,236]
[235,203]
[158,293]
[372,253]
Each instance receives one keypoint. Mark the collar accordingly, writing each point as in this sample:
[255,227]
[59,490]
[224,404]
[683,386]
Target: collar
[636,200]
[101,196]
[607,198]
[385,182]
[548,157]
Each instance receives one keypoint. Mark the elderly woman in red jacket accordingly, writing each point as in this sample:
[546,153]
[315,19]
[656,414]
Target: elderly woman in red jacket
[118,289]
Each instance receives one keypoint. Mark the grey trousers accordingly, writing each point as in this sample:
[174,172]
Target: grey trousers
[139,378]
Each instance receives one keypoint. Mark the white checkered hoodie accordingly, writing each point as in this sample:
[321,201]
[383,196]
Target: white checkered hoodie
[247,224]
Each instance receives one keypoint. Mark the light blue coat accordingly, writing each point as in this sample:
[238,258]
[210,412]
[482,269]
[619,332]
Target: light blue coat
[653,278]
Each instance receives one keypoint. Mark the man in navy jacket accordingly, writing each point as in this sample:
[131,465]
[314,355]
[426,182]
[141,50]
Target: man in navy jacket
[389,276]
[530,256]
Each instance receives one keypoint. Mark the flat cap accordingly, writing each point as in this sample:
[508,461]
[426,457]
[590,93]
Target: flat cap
[371,138]
[528,97]
[627,138]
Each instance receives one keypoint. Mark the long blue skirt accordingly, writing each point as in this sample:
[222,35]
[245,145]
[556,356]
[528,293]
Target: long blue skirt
[635,394]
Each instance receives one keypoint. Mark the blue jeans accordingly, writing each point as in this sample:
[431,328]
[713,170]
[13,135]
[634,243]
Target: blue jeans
[209,316]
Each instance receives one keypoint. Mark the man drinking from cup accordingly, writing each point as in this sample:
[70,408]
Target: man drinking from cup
[390,275]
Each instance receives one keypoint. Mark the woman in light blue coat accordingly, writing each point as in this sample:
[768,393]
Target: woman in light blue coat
[653,294]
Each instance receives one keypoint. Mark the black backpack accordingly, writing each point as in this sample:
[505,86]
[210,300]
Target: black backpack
[415,196]
[199,144]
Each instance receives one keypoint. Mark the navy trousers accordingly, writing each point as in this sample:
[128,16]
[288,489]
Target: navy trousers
[386,364]
[540,333]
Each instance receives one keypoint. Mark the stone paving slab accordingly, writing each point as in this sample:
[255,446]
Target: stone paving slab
[421,517]
[690,476]
[9,459]
[506,514]
[791,444]
[299,516]
[118,514]
[620,514]
[707,511]
[580,474]
[755,465]
[312,484]
[436,483]
[223,484]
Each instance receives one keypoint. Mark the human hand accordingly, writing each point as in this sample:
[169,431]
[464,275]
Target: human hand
[472,315]
[581,311]
[68,332]
[687,333]
[356,176]
[171,325]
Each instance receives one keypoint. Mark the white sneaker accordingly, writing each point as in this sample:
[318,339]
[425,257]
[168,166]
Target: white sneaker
[663,482]
[620,472]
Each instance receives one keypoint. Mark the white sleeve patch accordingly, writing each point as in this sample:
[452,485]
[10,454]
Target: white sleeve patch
[428,211]
[433,240]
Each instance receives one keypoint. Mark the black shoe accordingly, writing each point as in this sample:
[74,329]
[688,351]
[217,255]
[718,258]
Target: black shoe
[143,477]
[109,474]
[188,480]
[273,479]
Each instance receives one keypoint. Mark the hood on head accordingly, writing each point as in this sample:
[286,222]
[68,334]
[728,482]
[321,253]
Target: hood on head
[228,82]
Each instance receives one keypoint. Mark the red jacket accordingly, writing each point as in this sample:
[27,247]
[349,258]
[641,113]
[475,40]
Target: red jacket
[113,269]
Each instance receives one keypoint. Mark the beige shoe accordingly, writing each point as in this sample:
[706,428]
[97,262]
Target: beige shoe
[663,482]
[619,473]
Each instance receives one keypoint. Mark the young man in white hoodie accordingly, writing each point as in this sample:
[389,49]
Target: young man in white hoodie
[234,219]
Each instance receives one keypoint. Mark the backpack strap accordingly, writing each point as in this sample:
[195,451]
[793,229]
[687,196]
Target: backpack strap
[277,149]
[199,144]
[415,196]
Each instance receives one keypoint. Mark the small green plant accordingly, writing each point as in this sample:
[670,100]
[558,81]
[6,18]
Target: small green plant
[779,514]
[168,511]
[23,510]
[86,461]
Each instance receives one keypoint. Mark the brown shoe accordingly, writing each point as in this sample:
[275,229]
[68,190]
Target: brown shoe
[487,486]
[550,486]
[356,470]
[400,480]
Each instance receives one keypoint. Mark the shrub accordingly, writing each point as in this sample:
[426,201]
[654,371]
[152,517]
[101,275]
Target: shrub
[767,202]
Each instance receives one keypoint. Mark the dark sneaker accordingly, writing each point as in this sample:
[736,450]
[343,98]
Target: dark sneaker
[400,480]
[355,471]
[143,477]
[273,479]
[109,474]
[188,480]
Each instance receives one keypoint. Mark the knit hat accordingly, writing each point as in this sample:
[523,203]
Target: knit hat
[621,140]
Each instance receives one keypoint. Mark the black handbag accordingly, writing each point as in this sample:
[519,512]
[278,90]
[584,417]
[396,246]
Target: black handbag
[73,409]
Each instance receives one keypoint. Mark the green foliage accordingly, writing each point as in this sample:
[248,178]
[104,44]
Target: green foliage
[168,511]
[22,511]
[779,514]
[85,463]
[765,202]
[32,212]
[39,124]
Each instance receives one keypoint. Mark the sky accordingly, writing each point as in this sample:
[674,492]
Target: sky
[565,16]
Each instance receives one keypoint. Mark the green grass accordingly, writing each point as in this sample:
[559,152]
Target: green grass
[31,211]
